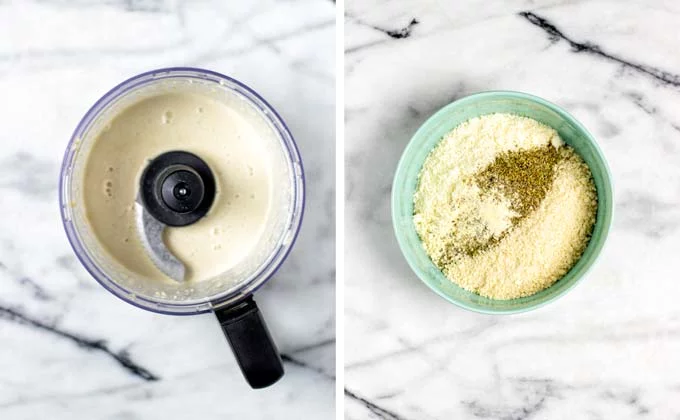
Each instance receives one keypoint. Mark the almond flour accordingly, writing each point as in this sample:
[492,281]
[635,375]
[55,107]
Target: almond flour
[503,207]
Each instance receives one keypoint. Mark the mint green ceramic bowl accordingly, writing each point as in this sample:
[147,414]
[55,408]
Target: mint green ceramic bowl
[425,139]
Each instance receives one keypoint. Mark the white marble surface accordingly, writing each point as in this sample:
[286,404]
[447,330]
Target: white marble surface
[60,332]
[610,349]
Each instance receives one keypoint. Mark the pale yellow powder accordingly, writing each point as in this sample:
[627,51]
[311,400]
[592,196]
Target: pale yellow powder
[450,210]
[476,218]
[543,247]
[452,215]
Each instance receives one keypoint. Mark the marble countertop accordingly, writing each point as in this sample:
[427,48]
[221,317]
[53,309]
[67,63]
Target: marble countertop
[70,349]
[610,349]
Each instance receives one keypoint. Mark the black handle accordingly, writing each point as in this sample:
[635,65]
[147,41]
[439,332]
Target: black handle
[251,343]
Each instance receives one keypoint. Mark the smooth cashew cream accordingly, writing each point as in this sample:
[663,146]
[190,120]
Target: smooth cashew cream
[238,144]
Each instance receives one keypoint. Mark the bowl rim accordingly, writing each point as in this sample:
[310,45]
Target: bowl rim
[400,235]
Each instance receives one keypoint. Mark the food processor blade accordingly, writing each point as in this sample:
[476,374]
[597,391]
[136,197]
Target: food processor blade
[151,233]
[176,189]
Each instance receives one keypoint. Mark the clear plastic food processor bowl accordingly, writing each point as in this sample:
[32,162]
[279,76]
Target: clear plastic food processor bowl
[281,228]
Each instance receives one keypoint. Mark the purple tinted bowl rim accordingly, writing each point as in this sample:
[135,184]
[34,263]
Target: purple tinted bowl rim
[215,301]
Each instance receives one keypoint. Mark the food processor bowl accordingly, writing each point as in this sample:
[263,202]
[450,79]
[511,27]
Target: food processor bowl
[282,225]
[229,294]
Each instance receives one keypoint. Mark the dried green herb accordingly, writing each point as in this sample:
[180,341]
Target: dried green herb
[524,177]
[471,248]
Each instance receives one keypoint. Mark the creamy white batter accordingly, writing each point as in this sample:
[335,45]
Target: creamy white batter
[195,123]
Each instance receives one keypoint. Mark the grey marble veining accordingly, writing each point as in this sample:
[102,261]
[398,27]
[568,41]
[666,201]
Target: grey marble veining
[69,348]
[609,349]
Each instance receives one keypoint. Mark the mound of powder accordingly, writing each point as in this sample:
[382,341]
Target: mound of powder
[503,207]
